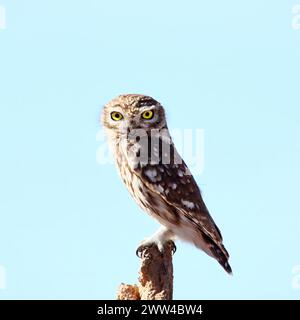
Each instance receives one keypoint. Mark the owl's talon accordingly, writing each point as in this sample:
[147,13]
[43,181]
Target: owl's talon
[173,247]
[141,250]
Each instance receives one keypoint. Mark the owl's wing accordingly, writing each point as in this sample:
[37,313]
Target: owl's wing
[174,183]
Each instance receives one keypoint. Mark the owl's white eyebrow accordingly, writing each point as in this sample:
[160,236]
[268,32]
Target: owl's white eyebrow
[148,107]
[116,108]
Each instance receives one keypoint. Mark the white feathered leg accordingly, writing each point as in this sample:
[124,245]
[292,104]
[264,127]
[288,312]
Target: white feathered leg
[160,238]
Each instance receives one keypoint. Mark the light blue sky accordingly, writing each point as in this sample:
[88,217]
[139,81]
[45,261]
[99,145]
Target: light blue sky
[68,228]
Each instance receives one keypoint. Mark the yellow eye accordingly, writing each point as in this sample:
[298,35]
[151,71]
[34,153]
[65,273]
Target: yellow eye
[148,115]
[116,116]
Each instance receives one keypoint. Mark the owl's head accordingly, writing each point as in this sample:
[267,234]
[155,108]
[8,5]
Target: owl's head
[131,112]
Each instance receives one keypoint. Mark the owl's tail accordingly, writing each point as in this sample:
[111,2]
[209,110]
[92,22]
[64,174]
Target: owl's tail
[218,251]
[222,258]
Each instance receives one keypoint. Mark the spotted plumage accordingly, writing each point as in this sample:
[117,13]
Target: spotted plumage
[157,177]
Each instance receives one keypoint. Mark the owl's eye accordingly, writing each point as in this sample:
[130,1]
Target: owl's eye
[148,115]
[116,116]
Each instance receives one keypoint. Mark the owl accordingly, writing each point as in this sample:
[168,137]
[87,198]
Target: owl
[156,176]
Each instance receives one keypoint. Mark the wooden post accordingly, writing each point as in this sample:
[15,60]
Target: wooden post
[155,277]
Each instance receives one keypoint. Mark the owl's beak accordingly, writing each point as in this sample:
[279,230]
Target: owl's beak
[132,125]
[125,128]
[130,128]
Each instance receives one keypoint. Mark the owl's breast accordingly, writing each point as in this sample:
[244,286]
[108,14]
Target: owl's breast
[151,202]
[135,186]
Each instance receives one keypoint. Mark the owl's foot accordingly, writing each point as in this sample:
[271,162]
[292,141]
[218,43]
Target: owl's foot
[146,244]
[161,239]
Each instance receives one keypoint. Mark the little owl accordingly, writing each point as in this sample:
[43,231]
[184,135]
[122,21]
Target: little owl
[156,176]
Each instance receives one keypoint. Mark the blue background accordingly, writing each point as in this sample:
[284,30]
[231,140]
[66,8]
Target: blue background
[68,228]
